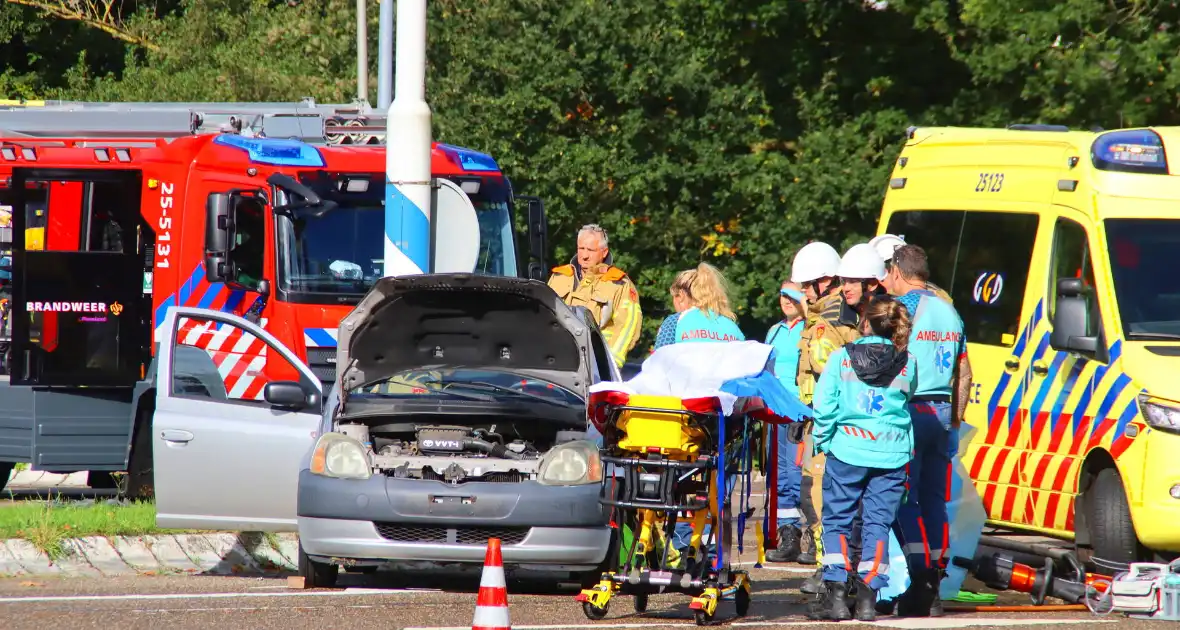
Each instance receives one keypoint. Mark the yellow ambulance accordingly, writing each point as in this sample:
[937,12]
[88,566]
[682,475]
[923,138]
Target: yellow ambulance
[1060,251]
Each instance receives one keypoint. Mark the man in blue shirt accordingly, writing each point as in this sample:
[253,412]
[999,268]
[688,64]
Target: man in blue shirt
[939,344]
[785,337]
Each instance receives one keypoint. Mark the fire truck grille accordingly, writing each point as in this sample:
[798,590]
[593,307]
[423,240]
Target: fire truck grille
[399,532]
[323,363]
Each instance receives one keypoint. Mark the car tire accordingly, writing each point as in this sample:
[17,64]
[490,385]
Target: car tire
[1112,533]
[316,574]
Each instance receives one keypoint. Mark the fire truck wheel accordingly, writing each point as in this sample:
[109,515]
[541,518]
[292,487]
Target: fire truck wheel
[1112,532]
[101,480]
[140,481]
[5,473]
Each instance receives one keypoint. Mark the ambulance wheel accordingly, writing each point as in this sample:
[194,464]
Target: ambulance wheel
[1112,533]
[641,603]
[741,601]
[593,612]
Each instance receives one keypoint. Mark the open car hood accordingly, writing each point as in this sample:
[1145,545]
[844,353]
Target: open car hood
[450,320]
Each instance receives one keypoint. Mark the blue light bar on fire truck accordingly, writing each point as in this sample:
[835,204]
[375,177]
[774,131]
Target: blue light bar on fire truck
[468,159]
[1130,151]
[274,151]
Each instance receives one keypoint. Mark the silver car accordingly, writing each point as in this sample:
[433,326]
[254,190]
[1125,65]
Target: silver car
[457,414]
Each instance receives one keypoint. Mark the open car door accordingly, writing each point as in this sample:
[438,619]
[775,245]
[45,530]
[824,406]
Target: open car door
[227,443]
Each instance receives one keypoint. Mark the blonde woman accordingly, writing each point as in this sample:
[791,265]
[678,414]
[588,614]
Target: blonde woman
[701,299]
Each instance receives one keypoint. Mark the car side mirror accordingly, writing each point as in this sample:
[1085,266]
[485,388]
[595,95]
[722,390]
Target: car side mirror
[288,395]
[1071,319]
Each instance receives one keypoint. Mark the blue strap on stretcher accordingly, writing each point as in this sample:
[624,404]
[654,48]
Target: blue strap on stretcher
[718,559]
[744,498]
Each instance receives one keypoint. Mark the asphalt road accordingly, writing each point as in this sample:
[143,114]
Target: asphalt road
[421,601]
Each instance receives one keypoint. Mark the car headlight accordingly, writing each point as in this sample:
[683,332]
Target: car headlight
[340,456]
[571,464]
[1159,415]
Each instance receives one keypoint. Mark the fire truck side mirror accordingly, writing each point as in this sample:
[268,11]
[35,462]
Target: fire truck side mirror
[538,235]
[219,229]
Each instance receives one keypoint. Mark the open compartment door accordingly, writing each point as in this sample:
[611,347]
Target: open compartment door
[77,280]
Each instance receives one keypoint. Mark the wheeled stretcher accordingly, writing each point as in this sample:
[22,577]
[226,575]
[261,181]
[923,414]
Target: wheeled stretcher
[668,460]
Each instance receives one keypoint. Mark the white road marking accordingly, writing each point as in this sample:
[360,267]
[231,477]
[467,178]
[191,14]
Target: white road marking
[916,623]
[145,611]
[348,592]
[962,622]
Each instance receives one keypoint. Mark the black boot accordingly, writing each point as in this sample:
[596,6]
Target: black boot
[921,598]
[807,547]
[814,584]
[788,545]
[936,576]
[829,603]
[866,602]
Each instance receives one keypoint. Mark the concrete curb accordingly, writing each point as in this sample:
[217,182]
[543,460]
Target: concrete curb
[248,553]
[31,479]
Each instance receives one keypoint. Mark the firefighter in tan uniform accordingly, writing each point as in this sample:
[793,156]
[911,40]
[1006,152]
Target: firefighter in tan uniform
[829,325]
[605,290]
[885,244]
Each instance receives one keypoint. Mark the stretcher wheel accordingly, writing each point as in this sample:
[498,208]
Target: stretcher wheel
[641,603]
[702,618]
[741,601]
[593,612]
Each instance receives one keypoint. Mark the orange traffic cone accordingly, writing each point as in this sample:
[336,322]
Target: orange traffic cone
[491,607]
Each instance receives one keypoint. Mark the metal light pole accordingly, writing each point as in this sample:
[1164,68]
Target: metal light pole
[362,52]
[385,56]
[407,150]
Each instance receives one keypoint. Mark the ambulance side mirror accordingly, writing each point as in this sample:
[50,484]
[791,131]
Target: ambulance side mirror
[219,232]
[1071,319]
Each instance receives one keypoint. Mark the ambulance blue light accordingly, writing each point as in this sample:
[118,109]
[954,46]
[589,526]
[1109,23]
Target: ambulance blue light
[274,151]
[470,160]
[1130,151]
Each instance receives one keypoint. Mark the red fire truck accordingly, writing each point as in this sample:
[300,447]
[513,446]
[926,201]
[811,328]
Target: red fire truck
[269,211]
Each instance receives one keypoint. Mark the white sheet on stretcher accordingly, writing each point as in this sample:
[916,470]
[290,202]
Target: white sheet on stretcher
[712,369]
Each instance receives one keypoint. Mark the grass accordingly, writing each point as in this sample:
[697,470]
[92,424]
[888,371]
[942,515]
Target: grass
[46,525]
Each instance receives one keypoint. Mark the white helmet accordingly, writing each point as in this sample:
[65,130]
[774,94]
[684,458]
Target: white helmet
[885,244]
[814,261]
[861,262]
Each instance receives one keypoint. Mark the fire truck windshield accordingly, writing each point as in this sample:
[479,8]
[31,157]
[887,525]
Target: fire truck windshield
[340,254]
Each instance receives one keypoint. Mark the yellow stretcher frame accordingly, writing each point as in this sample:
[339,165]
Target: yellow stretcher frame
[660,432]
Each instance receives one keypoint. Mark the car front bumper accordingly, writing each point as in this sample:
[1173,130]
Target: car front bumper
[559,548]
[387,519]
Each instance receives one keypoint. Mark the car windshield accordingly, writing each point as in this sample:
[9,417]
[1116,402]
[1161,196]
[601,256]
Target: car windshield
[341,252]
[1142,252]
[466,384]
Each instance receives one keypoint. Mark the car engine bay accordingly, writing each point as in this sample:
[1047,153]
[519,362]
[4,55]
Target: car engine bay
[478,452]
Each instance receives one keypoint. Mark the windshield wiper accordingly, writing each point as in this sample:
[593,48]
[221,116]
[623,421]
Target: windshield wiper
[1152,335]
[501,389]
[449,392]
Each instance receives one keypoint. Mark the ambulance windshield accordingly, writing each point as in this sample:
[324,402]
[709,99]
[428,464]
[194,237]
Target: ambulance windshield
[1143,255]
[337,257]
